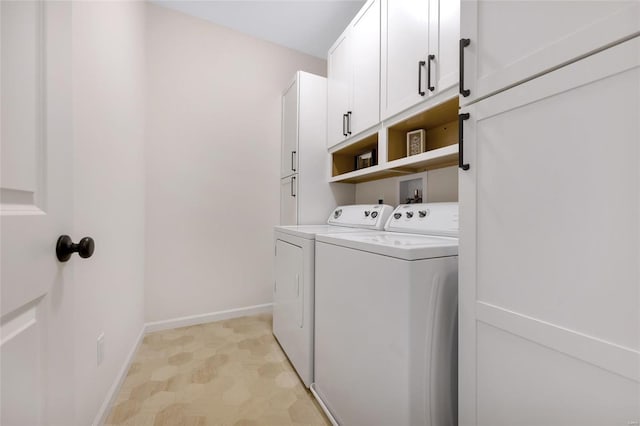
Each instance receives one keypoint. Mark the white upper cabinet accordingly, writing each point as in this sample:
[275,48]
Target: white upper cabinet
[289,149]
[419,51]
[514,47]
[405,43]
[444,37]
[354,76]
[338,83]
[365,55]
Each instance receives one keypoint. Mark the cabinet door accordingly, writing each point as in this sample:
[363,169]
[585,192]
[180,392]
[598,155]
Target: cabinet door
[289,200]
[289,148]
[338,84]
[365,53]
[405,41]
[444,37]
[511,41]
[550,248]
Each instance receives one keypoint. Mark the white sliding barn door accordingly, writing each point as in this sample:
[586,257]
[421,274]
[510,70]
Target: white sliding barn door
[550,249]
[36,295]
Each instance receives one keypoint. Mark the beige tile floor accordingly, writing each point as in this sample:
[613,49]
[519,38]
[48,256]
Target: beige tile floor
[230,372]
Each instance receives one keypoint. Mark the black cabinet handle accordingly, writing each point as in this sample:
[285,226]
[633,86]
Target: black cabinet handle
[464,42]
[420,65]
[349,122]
[344,126]
[293,166]
[461,118]
[430,59]
[293,182]
[65,247]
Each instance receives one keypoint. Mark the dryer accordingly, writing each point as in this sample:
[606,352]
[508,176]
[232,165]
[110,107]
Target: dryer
[386,320]
[293,289]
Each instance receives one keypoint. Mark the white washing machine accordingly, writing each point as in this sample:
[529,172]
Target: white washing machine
[293,290]
[386,321]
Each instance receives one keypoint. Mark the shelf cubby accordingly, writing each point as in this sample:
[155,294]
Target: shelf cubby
[343,160]
[440,124]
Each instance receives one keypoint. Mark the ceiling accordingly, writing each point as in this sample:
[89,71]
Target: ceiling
[309,26]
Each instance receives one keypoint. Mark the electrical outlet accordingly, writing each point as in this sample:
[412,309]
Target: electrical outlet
[100,348]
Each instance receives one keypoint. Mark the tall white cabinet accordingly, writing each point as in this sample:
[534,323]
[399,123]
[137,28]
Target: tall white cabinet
[305,195]
[550,217]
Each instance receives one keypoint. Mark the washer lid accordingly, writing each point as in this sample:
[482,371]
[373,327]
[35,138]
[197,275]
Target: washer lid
[395,244]
[309,232]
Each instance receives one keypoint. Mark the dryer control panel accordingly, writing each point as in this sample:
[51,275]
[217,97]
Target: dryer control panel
[368,216]
[426,218]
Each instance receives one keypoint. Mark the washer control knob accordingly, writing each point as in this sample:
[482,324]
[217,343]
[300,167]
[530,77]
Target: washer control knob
[374,215]
[367,213]
[337,213]
[409,215]
[397,215]
[422,213]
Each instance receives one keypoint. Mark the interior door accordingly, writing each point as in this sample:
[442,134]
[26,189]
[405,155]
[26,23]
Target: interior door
[511,41]
[36,345]
[289,148]
[289,200]
[550,249]
[405,41]
[365,54]
[338,83]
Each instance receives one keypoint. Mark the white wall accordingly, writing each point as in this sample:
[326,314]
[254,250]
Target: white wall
[213,151]
[108,108]
[438,185]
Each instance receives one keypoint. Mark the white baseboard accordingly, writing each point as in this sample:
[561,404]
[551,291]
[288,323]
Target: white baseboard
[208,317]
[115,387]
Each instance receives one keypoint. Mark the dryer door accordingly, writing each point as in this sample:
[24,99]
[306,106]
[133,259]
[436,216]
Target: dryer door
[288,292]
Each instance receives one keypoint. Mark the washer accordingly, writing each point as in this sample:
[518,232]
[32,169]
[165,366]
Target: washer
[386,320]
[293,290]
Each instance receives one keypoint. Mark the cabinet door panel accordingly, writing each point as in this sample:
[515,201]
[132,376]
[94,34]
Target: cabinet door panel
[444,36]
[550,248]
[512,41]
[289,148]
[405,39]
[365,53]
[338,83]
[289,200]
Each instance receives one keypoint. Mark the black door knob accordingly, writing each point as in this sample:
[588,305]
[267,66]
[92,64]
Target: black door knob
[65,247]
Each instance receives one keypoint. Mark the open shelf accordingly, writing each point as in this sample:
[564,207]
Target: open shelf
[433,159]
[343,160]
[440,124]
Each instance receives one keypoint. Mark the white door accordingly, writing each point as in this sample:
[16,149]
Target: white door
[289,148]
[444,36]
[338,83]
[550,249]
[405,41]
[511,41]
[365,53]
[36,346]
[289,200]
